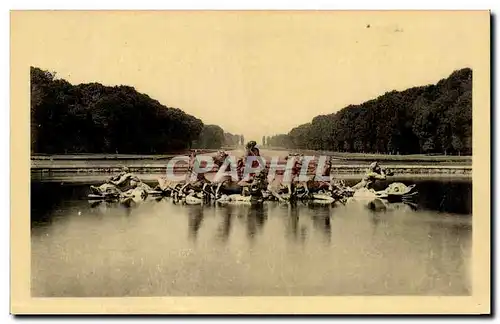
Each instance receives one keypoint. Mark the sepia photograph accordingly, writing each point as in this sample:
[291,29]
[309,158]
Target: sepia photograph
[255,154]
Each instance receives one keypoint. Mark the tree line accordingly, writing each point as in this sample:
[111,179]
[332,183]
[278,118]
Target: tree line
[431,119]
[93,118]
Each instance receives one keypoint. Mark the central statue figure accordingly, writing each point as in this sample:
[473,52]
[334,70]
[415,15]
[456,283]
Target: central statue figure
[252,149]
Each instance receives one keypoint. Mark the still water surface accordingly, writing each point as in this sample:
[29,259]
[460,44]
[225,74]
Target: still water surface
[162,249]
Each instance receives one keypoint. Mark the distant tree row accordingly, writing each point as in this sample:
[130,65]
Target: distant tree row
[234,140]
[427,119]
[92,118]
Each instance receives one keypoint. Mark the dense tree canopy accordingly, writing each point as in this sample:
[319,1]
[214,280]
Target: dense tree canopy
[427,119]
[92,118]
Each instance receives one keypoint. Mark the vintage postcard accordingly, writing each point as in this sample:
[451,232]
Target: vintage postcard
[250,162]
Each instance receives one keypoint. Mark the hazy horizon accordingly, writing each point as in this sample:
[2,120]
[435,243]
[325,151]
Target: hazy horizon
[254,73]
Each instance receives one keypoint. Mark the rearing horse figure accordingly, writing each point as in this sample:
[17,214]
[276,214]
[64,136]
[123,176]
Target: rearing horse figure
[226,183]
[220,157]
[292,185]
[170,187]
[313,185]
[279,187]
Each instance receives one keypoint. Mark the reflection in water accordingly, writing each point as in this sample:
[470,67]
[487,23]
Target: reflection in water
[375,219]
[195,220]
[443,255]
[225,224]
[292,223]
[322,219]
[267,249]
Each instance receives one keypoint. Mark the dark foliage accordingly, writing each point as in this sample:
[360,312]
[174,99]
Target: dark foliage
[433,119]
[92,118]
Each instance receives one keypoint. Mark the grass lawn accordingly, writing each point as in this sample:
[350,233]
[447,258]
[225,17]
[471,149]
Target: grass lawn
[384,157]
[99,156]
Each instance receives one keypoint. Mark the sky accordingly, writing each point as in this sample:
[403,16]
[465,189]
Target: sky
[254,73]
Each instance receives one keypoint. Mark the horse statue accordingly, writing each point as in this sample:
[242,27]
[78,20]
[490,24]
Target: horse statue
[227,185]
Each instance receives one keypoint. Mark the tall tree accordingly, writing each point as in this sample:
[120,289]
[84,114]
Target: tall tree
[427,119]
